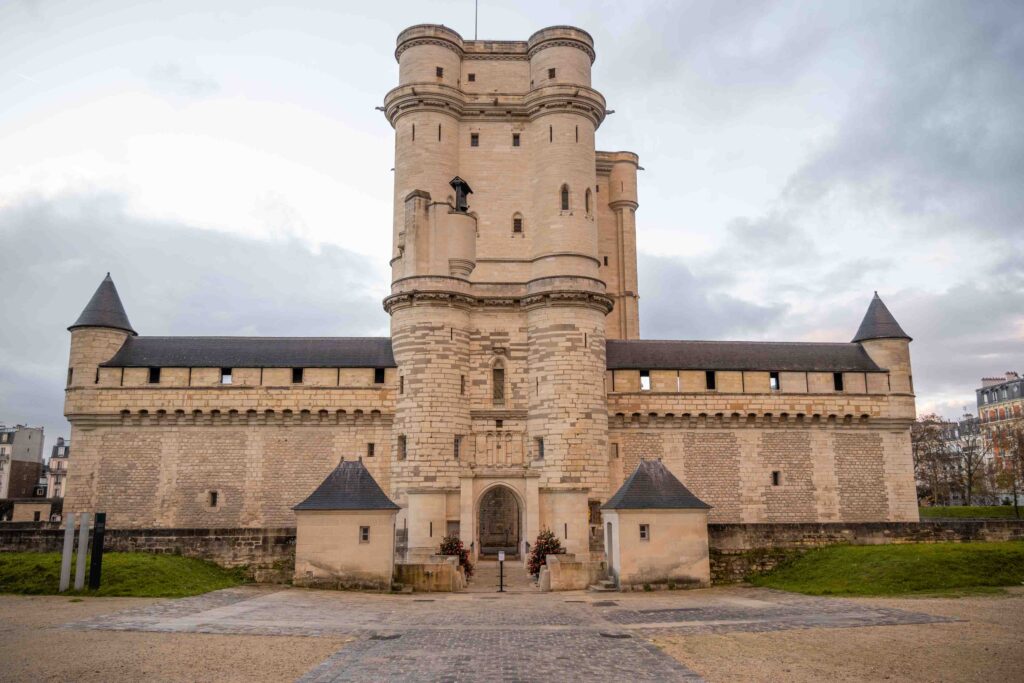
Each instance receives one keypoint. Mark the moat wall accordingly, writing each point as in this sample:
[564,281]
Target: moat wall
[737,550]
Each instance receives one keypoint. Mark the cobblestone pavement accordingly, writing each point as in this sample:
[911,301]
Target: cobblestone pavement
[518,637]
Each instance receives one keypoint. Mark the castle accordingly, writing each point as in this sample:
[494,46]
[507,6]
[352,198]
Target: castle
[514,392]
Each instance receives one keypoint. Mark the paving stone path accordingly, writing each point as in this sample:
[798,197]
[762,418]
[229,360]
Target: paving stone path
[492,637]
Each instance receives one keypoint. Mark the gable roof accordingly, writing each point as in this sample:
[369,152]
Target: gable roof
[349,487]
[879,323]
[254,352]
[104,309]
[637,354]
[652,486]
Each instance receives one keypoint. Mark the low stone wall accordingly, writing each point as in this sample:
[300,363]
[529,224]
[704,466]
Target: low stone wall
[742,550]
[441,574]
[268,554]
[566,572]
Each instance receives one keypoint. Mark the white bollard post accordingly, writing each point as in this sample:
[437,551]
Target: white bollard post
[83,547]
[69,547]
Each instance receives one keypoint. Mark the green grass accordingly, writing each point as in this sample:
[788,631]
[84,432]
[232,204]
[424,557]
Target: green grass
[124,574]
[967,511]
[900,569]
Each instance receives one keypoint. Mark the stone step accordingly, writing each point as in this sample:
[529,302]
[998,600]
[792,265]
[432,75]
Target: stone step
[602,588]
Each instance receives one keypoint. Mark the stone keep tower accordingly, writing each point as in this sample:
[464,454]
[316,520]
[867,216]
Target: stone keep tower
[514,254]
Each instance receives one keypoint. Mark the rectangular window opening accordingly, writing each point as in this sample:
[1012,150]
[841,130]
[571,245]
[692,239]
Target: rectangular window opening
[364,534]
[498,386]
[96,380]
[645,380]
[462,384]
[457,445]
[212,499]
[837,381]
[474,139]
[565,530]
[440,72]
[551,133]
[401,447]
[517,225]
[645,532]
[414,132]
[773,381]
[515,139]
[71,373]
[225,375]
[154,375]
[371,449]
[606,260]
[401,384]
[776,478]
[539,441]
[296,375]
[35,516]
[615,451]
[498,424]
[439,132]
[577,133]
[378,375]
[471,78]
[710,380]
[551,73]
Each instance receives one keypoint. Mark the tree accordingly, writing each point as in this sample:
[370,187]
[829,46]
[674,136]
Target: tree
[547,544]
[968,452]
[452,545]
[1008,442]
[933,464]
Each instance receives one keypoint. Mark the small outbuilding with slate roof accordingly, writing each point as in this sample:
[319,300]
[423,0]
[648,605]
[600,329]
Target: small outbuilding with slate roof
[656,531]
[345,532]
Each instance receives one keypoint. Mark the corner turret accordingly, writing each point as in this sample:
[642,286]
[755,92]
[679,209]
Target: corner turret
[888,345]
[97,334]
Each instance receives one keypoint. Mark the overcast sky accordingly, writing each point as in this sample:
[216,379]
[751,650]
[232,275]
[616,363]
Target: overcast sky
[224,161]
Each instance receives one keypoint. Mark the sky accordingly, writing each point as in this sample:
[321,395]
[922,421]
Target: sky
[224,161]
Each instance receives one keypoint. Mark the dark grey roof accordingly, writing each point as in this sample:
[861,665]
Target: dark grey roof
[104,309]
[642,354]
[349,487]
[652,487]
[878,323]
[254,352]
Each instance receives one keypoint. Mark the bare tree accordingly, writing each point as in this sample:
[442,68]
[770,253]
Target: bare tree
[968,450]
[1008,442]
[933,464]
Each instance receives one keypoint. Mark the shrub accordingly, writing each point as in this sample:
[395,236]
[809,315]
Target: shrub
[546,545]
[452,545]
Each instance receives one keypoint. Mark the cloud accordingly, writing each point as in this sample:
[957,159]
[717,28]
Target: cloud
[173,279]
[177,80]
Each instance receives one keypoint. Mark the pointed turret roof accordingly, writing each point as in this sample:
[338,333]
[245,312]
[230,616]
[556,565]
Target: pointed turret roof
[105,309]
[653,487]
[878,323]
[349,487]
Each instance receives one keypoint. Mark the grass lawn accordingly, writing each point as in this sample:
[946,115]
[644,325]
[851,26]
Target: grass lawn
[900,569]
[967,511]
[140,575]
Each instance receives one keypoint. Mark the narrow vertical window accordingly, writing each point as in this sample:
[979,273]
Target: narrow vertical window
[539,441]
[439,132]
[551,133]
[456,446]
[565,197]
[498,386]
[606,260]
[296,375]
[212,499]
[517,224]
[710,380]
[401,384]
[154,375]
[773,381]
[474,139]
[71,373]
[378,375]
[226,376]
[551,73]
[837,381]
[401,447]
[440,72]
[414,132]
[645,532]
[364,534]
[645,380]
[462,384]
[371,449]
[776,478]
[586,201]
[515,139]
[577,133]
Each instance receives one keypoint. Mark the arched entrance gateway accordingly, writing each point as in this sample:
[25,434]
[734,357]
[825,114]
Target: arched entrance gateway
[500,525]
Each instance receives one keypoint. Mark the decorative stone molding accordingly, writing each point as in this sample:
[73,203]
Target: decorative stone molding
[579,45]
[163,418]
[595,300]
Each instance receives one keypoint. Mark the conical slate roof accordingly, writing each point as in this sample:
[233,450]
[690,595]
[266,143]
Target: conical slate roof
[349,487]
[105,309]
[878,323]
[651,487]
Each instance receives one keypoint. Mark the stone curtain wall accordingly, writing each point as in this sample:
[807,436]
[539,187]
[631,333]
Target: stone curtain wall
[161,475]
[826,473]
[740,550]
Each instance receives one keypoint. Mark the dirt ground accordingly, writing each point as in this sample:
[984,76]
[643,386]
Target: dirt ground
[987,646]
[34,648]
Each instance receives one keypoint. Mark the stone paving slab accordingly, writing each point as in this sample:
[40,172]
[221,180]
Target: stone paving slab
[503,655]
